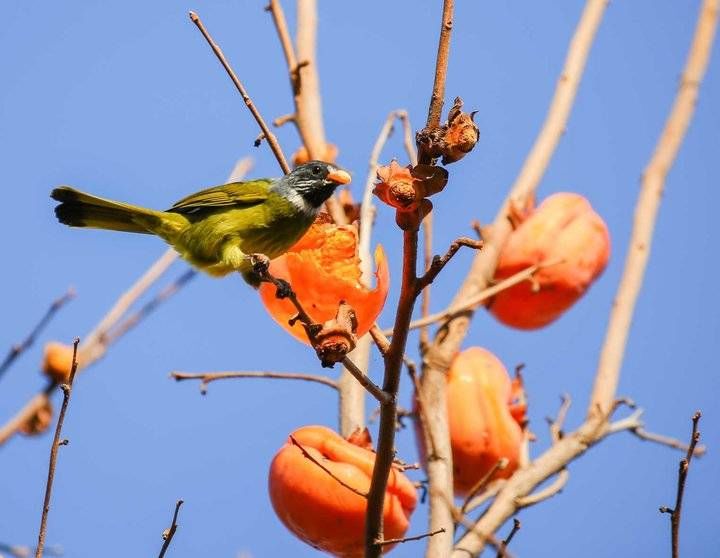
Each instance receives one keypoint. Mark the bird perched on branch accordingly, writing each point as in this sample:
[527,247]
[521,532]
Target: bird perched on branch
[218,229]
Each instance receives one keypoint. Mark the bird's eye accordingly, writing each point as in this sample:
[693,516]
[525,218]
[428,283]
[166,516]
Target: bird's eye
[317,170]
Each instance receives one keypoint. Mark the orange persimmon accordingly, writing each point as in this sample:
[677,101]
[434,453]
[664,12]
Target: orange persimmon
[57,361]
[565,233]
[486,416]
[323,269]
[321,511]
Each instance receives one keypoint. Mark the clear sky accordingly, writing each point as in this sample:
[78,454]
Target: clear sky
[126,100]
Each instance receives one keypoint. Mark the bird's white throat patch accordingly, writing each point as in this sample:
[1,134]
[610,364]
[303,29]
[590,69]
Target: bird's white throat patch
[300,203]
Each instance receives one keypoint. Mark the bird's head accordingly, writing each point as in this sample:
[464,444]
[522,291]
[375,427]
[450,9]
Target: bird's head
[315,181]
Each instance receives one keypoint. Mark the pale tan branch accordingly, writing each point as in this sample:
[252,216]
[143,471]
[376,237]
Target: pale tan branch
[482,483]
[308,101]
[95,344]
[603,400]
[698,450]
[646,209]
[206,377]
[479,298]
[556,426]
[548,492]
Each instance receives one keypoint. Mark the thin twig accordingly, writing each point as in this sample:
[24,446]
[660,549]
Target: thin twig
[698,450]
[169,533]
[489,493]
[506,541]
[309,456]
[269,136]
[16,350]
[549,491]
[207,377]
[479,298]
[414,538]
[556,426]
[56,443]
[439,262]
[499,465]
[676,512]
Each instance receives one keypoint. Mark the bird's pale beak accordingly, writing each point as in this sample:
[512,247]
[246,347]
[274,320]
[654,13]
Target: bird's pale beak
[339,176]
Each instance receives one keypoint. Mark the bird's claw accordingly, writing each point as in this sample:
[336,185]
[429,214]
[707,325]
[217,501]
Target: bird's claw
[284,290]
[260,264]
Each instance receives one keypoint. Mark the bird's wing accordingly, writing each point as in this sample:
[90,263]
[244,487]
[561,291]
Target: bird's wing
[240,194]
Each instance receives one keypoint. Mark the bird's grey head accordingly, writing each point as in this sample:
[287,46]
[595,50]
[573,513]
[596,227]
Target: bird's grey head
[315,181]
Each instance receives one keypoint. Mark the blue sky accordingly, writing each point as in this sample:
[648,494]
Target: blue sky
[126,100]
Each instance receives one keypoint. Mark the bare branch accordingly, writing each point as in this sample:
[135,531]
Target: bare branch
[437,98]
[56,443]
[149,307]
[307,101]
[506,541]
[549,491]
[95,344]
[309,456]
[698,450]
[556,426]
[207,377]
[646,209]
[676,512]
[479,298]
[481,484]
[408,539]
[271,139]
[16,350]
[169,533]
[439,262]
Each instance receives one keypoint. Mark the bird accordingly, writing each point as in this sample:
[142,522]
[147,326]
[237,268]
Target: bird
[218,230]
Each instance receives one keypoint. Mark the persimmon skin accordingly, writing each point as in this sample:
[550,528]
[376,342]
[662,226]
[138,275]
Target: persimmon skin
[484,420]
[317,508]
[563,231]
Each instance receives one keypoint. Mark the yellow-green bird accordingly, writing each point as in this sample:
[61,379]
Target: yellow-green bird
[216,230]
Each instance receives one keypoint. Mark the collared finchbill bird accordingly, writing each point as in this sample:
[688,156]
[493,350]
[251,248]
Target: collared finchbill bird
[216,230]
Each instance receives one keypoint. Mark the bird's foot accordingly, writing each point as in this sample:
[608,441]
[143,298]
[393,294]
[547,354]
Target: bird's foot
[260,264]
[284,290]
[261,269]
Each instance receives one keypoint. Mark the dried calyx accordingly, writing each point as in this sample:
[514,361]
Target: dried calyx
[337,337]
[407,189]
[452,140]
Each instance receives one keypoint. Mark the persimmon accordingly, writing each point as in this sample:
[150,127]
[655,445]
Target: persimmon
[317,508]
[486,416]
[57,361]
[323,269]
[566,234]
